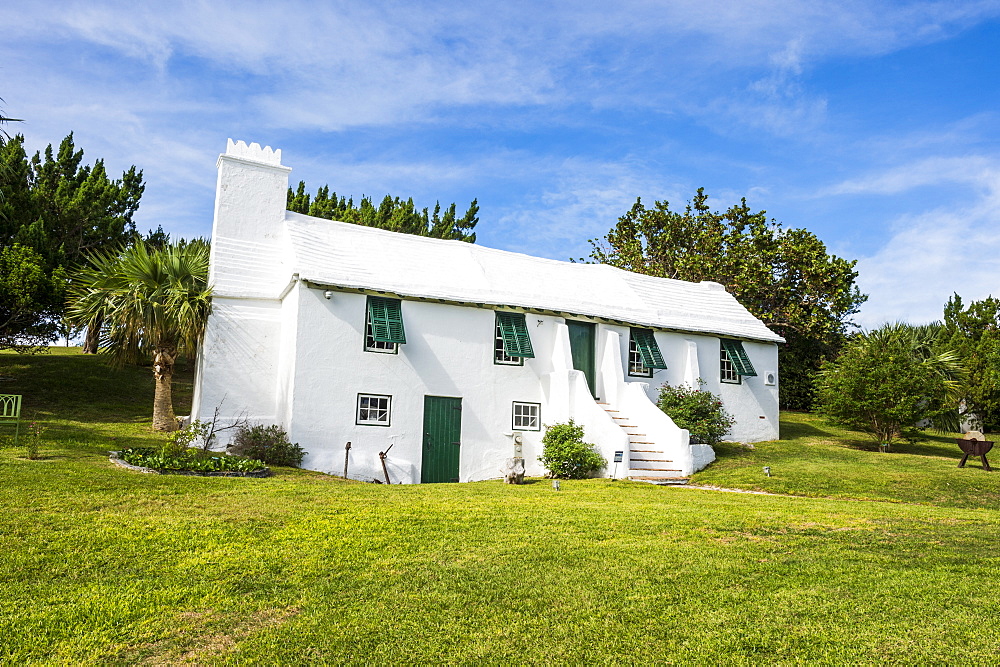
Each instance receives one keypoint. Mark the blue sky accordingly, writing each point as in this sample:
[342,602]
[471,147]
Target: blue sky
[874,125]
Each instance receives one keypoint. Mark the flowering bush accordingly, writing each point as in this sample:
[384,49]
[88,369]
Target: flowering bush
[697,410]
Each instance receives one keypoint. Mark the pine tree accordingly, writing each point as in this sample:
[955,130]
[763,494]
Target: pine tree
[60,209]
[392,213]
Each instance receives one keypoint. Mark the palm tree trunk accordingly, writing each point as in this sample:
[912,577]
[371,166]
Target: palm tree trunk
[164,418]
[93,337]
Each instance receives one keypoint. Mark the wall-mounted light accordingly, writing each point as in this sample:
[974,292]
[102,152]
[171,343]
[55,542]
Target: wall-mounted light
[328,295]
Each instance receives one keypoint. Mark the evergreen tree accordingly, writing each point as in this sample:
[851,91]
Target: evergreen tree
[974,332]
[392,213]
[60,209]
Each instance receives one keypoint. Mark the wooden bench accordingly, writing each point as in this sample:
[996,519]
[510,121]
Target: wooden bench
[10,412]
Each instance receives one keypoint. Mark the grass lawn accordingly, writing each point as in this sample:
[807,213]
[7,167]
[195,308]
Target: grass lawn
[101,565]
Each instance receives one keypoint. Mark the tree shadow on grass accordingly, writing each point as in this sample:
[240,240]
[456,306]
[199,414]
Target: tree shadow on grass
[793,430]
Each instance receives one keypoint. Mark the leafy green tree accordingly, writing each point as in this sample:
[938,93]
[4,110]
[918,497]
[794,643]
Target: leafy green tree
[392,213]
[784,276]
[154,303]
[61,209]
[887,381]
[30,299]
[974,332]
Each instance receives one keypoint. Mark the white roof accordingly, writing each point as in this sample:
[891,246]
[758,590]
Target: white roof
[341,254]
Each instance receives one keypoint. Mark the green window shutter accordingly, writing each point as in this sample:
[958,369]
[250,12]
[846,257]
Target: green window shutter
[516,342]
[387,320]
[645,342]
[737,355]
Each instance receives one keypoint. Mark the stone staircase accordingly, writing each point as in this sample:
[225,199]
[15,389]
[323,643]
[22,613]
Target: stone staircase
[647,462]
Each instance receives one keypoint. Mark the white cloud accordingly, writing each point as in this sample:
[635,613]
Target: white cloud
[976,170]
[581,199]
[361,63]
[930,256]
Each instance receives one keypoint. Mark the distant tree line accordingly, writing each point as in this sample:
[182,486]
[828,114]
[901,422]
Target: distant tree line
[393,213]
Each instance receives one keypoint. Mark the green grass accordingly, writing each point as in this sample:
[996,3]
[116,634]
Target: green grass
[101,565]
[816,459]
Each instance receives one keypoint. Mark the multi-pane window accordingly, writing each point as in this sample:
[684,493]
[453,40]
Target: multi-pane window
[372,345]
[511,342]
[643,353]
[734,362]
[373,409]
[526,417]
[383,325]
[635,365]
[727,372]
[500,355]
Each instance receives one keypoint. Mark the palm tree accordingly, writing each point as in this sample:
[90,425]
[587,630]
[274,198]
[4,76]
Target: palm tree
[154,303]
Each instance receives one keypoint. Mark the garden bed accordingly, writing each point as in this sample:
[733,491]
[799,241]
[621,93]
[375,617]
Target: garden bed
[263,472]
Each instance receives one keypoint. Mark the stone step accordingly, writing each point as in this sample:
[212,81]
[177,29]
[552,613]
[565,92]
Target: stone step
[651,461]
[660,481]
[656,469]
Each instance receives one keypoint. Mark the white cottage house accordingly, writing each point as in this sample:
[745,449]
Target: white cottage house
[454,354]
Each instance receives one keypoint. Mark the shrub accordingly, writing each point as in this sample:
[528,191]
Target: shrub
[33,440]
[267,443]
[565,455]
[697,410]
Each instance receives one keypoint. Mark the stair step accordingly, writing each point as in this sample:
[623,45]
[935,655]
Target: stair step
[660,481]
[639,442]
[658,469]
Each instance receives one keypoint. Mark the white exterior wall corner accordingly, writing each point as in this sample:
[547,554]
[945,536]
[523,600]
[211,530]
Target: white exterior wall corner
[238,365]
[752,403]
[237,369]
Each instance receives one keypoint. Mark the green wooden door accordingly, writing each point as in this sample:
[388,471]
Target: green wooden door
[581,345]
[442,439]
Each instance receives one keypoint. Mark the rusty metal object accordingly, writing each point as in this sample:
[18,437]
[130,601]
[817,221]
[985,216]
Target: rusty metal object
[347,457]
[385,470]
[971,447]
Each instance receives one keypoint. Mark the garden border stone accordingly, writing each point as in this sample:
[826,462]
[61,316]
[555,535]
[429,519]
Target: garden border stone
[263,472]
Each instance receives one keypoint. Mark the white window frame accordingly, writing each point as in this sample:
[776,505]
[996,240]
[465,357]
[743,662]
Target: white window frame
[727,371]
[372,345]
[500,357]
[526,416]
[635,367]
[380,404]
